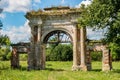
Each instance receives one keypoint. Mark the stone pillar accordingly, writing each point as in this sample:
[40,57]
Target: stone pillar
[83,49]
[42,56]
[37,49]
[14,58]
[106,62]
[75,62]
[37,57]
[110,57]
[31,57]
[31,54]
[78,47]
[88,59]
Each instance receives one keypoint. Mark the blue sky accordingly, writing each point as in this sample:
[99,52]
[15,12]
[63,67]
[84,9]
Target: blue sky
[15,25]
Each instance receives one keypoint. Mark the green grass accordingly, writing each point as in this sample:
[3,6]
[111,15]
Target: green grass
[58,71]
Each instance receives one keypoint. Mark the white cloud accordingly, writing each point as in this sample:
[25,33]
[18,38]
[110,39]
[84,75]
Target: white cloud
[2,16]
[18,34]
[35,4]
[95,35]
[37,1]
[15,5]
[18,5]
[85,2]
[62,1]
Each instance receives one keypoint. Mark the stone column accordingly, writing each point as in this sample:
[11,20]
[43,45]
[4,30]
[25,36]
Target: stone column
[110,58]
[40,51]
[75,64]
[106,63]
[14,58]
[42,56]
[88,59]
[78,47]
[37,49]
[83,49]
[31,53]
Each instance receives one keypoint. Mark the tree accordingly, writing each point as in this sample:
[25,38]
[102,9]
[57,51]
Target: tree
[4,47]
[4,40]
[103,14]
[62,52]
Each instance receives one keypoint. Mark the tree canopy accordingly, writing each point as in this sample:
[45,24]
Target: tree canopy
[103,14]
[4,40]
[4,47]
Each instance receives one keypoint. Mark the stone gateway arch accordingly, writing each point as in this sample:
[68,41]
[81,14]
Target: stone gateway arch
[44,23]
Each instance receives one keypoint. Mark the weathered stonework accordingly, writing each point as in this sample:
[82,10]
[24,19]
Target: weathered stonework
[64,19]
[44,22]
[106,55]
[106,62]
[14,58]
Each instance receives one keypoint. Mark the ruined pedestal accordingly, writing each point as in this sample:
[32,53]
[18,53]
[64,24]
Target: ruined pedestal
[14,59]
[107,63]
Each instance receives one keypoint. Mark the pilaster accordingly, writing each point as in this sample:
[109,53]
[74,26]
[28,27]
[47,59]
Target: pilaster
[83,49]
[75,51]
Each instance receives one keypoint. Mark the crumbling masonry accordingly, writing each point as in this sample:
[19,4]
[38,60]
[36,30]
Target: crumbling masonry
[43,22]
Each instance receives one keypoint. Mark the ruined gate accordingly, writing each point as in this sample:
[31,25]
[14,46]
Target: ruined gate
[50,20]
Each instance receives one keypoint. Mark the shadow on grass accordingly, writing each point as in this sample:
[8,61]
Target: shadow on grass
[48,64]
[51,69]
[4,68]
[116,70]
[100,70]
[23,68]
[96,70]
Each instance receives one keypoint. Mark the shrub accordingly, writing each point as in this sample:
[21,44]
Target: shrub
[96,56]
[23,57]
[5,54]
[62,52]
[115,51]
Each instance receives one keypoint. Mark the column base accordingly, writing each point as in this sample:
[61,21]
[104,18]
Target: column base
[89,67]
[106,68]
[15,66]
[35,68]
[83,67]
[75,68]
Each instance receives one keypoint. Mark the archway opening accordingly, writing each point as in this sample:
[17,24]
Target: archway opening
[58,48]
[96,60]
